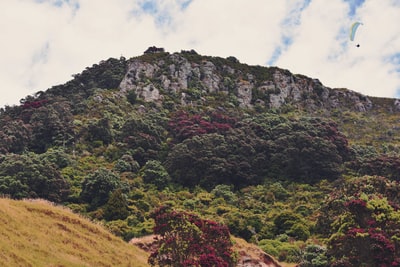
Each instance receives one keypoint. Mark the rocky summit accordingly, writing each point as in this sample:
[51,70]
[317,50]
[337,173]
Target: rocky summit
[271,87]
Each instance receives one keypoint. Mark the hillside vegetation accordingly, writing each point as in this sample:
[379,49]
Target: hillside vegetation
[37,233]
[303,171]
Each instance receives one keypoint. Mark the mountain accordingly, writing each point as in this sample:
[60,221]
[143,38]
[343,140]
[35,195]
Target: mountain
[159,76]
[38,233]
[291,165]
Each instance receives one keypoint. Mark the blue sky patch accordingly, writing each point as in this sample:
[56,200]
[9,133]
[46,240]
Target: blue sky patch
[395,60]
[354,5]
[149,7]
[185,3]
[160,14]
[42,54]
[60,3]
[291,20]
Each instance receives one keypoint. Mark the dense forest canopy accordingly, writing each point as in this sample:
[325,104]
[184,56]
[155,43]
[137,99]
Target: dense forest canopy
[304,171]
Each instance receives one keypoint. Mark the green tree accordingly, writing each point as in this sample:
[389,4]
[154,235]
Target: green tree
[116,207]
[97,186]
[30,175]
[51,126]
[143,136]
[291,224]
[155,173]
[126,164]
[131,96]
[100,131]
[14,136]
[309,149]
[314,256]
[236,158]
[364,222]
[368,235]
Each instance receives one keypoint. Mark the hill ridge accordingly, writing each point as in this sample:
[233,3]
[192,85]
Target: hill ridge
[39,233]
[186,77]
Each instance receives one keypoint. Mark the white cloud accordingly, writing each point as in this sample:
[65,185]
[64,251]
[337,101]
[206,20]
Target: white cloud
[318,49]
[248,31]
[46,41]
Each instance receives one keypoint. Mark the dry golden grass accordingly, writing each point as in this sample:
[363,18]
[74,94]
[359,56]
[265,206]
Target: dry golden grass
[37,233]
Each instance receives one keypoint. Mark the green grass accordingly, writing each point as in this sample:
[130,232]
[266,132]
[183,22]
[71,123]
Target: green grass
[37,233]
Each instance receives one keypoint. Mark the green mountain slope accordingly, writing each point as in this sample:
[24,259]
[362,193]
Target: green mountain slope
[284,161]
[37,233]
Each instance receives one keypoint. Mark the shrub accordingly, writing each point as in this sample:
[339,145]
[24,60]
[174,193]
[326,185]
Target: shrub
[155,173]
[32,176]
[314,256]
[187,240]
[116,207]
[97,186]
[282,250]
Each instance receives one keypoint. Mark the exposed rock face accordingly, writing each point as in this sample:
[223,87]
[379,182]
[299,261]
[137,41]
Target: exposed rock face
[244,89]
[397,104]
[175,74]
[135,79]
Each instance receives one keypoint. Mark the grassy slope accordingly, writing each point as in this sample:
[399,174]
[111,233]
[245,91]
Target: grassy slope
[36,233]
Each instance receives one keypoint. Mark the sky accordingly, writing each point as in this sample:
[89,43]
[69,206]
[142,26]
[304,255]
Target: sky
[45,42]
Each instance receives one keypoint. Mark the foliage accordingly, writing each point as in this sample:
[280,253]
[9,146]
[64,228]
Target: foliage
[282,250]
[184,125]
[143,136]
[187,240]
[212,159]
[116,207]
[364,225]
[381,164]
[31,176]
[14,136]
[51,125]
[308,149]
[97,187]
[291,224]
[314,256]
[155,173]
[132,97]
[100,131]
[288,175]
[126,164]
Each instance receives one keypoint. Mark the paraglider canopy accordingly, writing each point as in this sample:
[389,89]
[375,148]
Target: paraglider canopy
[353,30]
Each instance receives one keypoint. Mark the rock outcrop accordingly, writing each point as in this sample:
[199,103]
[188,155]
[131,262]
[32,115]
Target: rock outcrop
[191,77]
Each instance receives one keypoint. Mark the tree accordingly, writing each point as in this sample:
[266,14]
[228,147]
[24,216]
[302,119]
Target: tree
[291,224]
[14,136]
[187,240]
[51,126]
[100,131]
[308,149]
[131,96]
[96,187]
[383,165]
[369,235]
[143,136]
[314,256]
[155,173]
[184,125]
[236,158]
[116,207]
[33,176]
[361,220]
